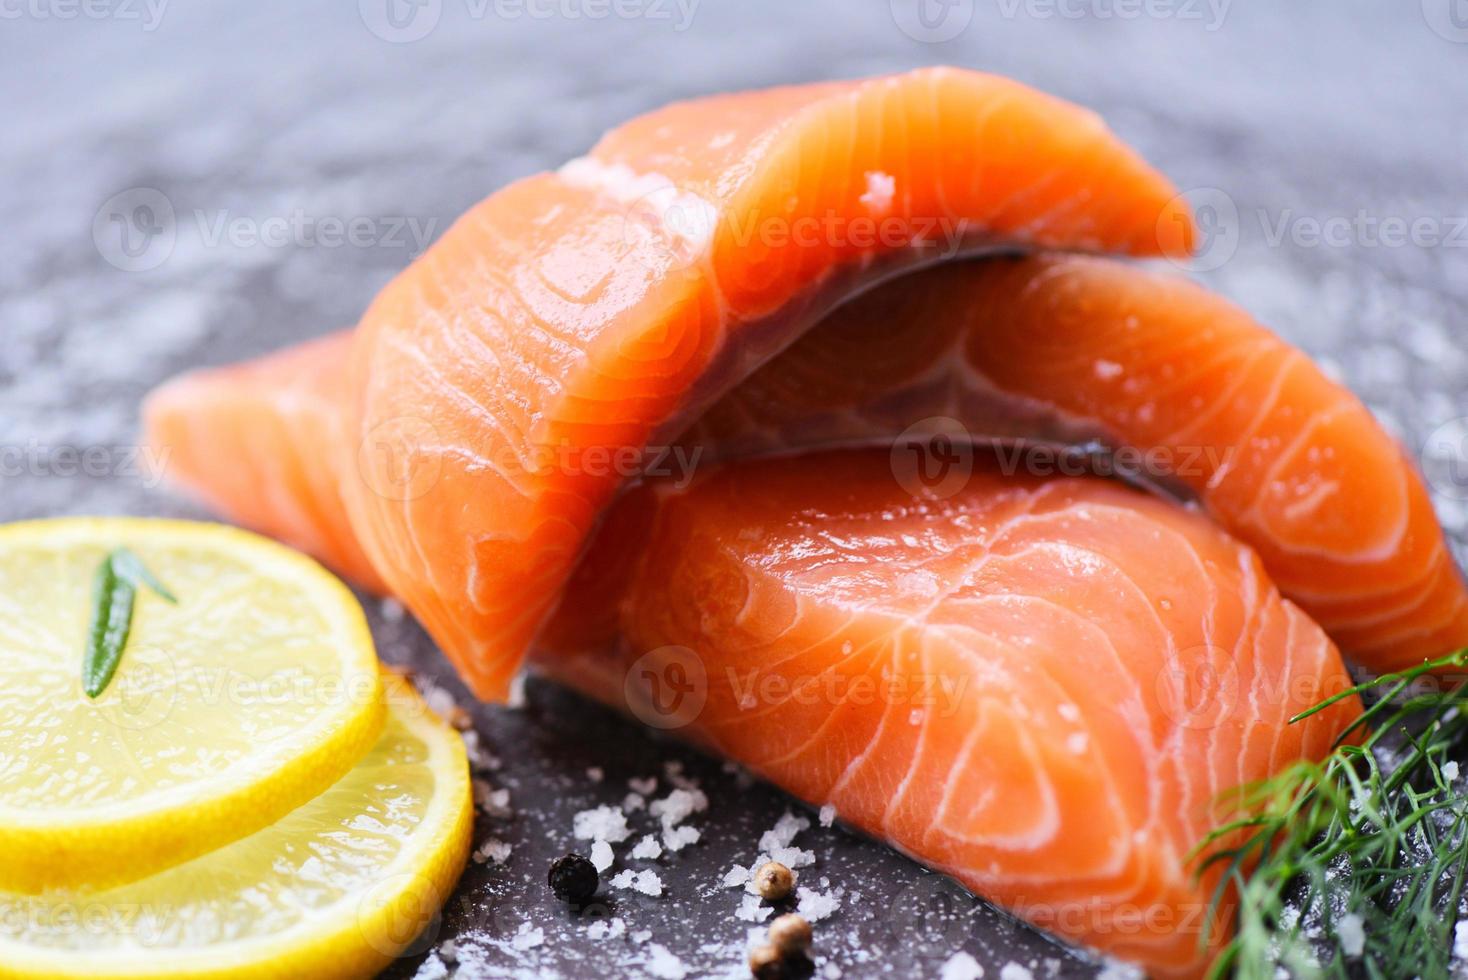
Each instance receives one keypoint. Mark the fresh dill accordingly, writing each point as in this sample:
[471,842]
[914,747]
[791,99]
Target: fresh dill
[1355,866]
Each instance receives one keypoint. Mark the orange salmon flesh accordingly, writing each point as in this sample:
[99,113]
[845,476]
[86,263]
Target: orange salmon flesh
[767,388]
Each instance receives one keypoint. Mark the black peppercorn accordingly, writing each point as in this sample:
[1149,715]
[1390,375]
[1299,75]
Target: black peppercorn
[574,879]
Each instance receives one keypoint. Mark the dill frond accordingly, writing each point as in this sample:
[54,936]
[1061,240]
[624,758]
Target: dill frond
[1354,866]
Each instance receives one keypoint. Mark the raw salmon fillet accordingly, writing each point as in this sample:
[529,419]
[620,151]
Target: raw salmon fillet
[579,316]
[1068,349]
[1041,687]
[261,442]
[461,448]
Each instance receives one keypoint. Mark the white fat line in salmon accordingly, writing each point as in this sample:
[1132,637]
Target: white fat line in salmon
[919,691]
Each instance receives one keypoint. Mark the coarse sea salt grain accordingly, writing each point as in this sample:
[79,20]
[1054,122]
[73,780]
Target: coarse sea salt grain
[437,698]
[480,758]
[494,802]
[736,876]
[1352,933]
[673,772]
[1460,940]
[611,928]
[677,838]
[663,964]
[881,188]
[631,803]
[1450,771]
[783,832]
[751,909]
[678,806]
[793,857]
[646,787]
[432,968]
[646,882]
[648,848]
[601,855]
[494,850]
[516,697]
[606,823]
[528,937]
[828,815]
[816,906]
[1118,970]
[961,966]
[1015,971]
[595,774]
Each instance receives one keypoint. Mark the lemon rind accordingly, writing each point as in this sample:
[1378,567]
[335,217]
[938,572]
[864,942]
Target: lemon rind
[43,848]
[336,943]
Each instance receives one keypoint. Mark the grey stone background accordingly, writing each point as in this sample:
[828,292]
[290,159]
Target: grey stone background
[1315,136]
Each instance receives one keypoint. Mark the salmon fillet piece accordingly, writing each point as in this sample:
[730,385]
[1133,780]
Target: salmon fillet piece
[263,443]
[1040,687]
[507,383]
[1084,667]
[1068,349]
[464,444]
[1045,349]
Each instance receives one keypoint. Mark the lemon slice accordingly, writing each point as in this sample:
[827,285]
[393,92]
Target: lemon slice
[252,694]
[337,888]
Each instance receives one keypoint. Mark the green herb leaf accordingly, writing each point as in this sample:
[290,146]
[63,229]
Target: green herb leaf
[114,593]
[1355,866]
[129,566]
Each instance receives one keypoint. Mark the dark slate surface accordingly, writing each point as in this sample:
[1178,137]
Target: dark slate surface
[1285,120]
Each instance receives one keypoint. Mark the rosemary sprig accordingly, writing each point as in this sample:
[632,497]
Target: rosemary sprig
[114,593]
[1355,865]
